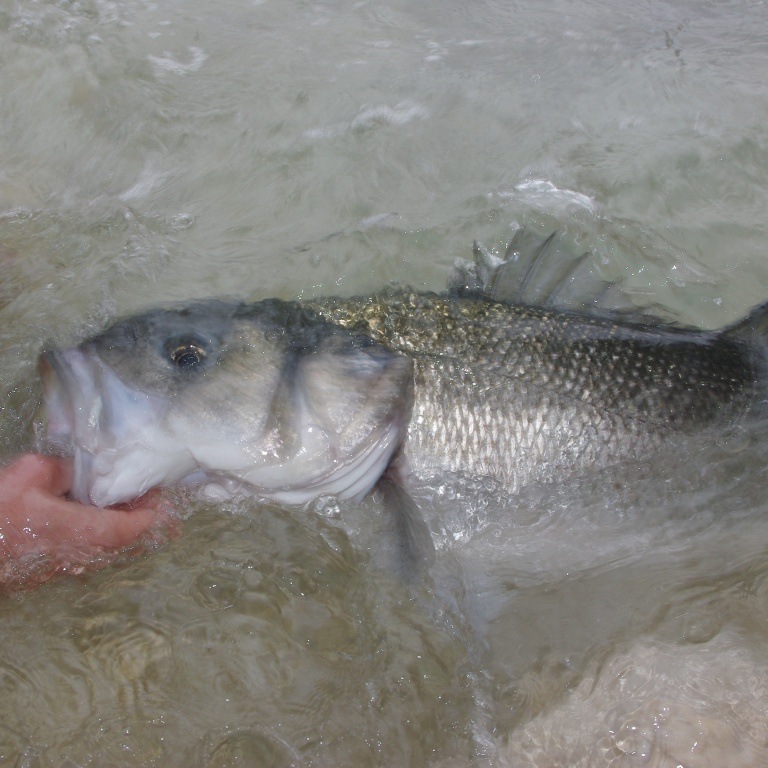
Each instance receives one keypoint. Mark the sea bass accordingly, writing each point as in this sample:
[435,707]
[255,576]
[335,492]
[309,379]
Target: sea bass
[291,400]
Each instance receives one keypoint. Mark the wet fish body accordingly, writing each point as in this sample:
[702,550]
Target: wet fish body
[523,394]
[291,401]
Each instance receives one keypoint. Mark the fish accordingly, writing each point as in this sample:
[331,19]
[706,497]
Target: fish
[294,400]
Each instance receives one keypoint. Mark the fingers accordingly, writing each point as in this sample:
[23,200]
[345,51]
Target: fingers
[33,507]
[35,471]
[37,520]
[58,520]
[115,528]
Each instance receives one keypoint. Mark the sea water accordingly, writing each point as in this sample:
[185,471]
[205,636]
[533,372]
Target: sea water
[155,152]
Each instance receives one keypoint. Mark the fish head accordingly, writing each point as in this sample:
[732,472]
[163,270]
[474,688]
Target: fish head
[260,398]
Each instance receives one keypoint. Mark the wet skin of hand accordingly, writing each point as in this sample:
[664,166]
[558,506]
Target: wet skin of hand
[38,521]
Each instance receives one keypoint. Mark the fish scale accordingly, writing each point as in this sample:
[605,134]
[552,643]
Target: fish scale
[524,394]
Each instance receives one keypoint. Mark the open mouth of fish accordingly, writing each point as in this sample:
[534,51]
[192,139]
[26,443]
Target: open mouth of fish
[124,442]
[93,416]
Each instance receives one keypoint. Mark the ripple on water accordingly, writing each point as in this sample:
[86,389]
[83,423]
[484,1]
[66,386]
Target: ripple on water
[41,697]
[16,684]
[217,587]
[249,747]
[132,658]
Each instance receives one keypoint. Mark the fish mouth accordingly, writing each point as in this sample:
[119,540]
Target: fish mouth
[68,386]
[59,411]
[91,415]
[67,390]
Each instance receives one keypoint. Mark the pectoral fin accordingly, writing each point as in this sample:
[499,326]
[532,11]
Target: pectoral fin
[415,548]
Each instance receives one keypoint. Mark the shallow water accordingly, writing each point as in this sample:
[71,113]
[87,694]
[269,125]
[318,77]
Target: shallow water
[155,152]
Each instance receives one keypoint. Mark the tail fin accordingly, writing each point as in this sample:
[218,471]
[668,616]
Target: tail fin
[754,327]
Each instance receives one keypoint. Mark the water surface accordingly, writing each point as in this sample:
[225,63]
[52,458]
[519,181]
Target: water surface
[155,152]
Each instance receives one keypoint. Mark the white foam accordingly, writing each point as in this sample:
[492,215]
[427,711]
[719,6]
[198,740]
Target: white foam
[167,63]
[546,196]
[402,113]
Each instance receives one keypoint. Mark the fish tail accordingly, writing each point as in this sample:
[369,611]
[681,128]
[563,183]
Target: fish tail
[753,328]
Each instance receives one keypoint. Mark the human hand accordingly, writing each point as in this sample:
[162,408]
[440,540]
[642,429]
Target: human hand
[43,533]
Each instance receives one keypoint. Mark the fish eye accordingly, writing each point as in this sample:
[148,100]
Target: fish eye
[186,353]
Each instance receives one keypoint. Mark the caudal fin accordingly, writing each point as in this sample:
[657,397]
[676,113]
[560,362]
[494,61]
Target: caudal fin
[754,327]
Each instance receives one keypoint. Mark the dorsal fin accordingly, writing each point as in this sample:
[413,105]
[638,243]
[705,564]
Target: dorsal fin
[536,270]
[549,271]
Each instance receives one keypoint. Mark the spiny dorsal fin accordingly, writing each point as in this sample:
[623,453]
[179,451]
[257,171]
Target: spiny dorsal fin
[536,270]
[549,272]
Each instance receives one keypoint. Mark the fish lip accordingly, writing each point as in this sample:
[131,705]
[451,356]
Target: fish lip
[68,388]
[72,380]
[58,397]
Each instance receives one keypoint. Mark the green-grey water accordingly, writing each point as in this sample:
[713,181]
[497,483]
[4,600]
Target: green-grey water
[156,152]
